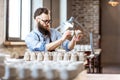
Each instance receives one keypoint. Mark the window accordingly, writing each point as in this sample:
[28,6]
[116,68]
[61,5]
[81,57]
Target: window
[19,16]
[18,19]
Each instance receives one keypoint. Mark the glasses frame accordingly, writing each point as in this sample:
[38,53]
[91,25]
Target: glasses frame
[46,21]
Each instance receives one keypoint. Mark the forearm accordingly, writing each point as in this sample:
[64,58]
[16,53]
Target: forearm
[71,44]
[54,45]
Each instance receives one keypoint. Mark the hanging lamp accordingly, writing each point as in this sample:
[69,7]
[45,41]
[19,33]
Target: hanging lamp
[113,3]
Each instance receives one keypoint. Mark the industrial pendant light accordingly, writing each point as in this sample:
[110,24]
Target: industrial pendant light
[113,3]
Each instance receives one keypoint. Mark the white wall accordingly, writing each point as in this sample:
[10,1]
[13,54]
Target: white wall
[1,21]
[35,4]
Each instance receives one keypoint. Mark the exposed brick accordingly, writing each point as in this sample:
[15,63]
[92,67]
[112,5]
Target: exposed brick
[87,12]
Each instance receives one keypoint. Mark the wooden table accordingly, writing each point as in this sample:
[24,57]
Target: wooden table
[85,76]
[2,70]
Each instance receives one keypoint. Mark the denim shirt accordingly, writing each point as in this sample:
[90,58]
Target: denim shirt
[36,41]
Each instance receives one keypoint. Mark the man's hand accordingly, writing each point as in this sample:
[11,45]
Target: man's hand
[66,35]
[77,36]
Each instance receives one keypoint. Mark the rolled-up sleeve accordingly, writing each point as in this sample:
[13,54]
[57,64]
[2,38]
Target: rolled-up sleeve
[65,43]
[33,43]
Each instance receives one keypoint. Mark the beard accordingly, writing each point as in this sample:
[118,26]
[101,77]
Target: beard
[43,30]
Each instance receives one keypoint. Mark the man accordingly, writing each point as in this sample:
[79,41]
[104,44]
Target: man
[44,38]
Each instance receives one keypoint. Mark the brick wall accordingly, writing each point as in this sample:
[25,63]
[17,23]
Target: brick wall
[87,13]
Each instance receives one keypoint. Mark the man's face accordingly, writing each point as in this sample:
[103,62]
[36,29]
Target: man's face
[44,21]
[43,24]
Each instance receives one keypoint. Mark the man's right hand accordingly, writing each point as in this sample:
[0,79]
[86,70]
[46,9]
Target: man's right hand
[66,35]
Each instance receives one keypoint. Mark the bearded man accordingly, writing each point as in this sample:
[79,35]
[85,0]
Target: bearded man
[44,38]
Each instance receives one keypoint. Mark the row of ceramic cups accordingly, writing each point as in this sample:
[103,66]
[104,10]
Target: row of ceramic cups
[54,56]
[82,48]
[44,70]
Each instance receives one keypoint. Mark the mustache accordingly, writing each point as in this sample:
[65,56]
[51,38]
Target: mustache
[43,30]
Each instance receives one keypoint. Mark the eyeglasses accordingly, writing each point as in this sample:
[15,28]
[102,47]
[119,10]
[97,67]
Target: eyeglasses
[46,21]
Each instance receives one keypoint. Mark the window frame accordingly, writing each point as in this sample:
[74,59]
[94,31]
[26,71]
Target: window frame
[19,39]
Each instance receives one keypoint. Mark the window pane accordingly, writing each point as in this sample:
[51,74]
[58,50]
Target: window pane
[63,12]
[26,13]
[14,18]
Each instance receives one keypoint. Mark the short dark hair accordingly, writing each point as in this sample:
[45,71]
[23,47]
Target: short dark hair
[39,11]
